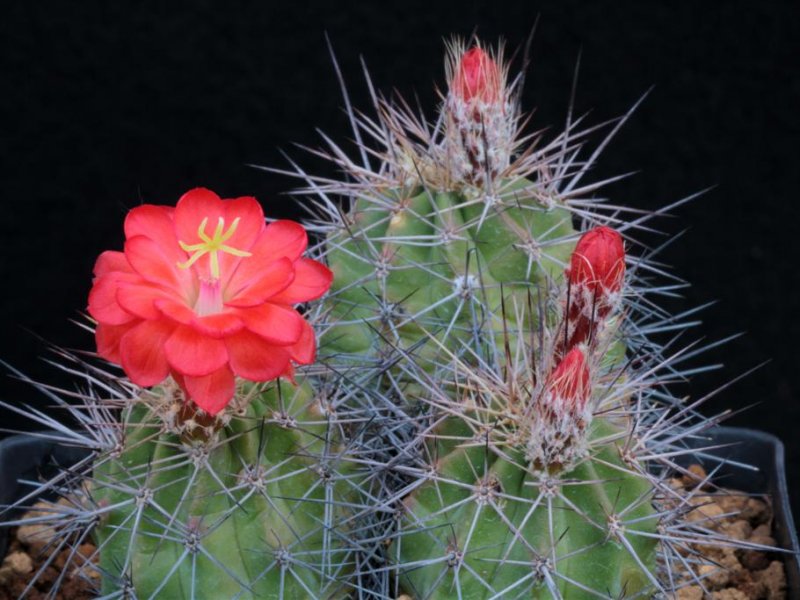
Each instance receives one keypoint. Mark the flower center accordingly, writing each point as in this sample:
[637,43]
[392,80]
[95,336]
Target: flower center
[212,245]
[209,300]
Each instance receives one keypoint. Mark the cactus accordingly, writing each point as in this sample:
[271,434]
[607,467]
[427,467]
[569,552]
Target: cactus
[501,344]
[454,230]
[533,491]
[207,478]
[489,415]
[222,507]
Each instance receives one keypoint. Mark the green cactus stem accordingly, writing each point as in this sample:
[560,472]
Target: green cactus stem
[237,506]
[415,263]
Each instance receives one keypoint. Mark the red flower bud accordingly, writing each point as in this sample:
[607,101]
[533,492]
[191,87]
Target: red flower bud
[481,118]
[561,415]
[477,76]
[598,260]
[595,274]
[568,385]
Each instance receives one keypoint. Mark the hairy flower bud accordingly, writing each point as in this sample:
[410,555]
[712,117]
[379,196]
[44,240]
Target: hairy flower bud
[480,118]
[595,276]
[598,261]
[561,415]
[477,76]
[568,385]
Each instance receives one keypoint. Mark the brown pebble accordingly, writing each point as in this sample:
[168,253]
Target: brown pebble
[732,503]
[774,580]
[35,536]
[731,562]
[714,577]
[712,553]
[729,594]
[761,531]
[14,565]
[87,550]
[756,511]
[707,510]
[72,587]
[61,560]
[745,583]
[731,573]
[718,576]
[38,535]
[694,476]
[692,592]
[676,483]
[756,560]
[738,530]
[20,562]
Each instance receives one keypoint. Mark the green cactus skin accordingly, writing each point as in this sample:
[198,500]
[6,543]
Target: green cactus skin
[486,524]
[181,519]
[418,263]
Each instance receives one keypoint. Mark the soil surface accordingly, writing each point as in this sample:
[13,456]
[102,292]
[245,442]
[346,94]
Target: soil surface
[30,552]
[737,574]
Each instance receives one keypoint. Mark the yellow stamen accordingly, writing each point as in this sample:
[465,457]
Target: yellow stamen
[212,245]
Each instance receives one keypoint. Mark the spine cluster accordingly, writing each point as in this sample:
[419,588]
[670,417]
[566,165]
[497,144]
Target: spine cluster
[480,121]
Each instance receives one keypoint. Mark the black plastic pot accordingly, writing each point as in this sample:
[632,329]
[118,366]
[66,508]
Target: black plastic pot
[26,457]
[764,452]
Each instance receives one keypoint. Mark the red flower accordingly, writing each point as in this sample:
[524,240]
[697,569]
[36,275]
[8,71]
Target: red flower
[477,76]
[204,291]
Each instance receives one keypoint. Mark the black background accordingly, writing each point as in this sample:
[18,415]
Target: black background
[104,106]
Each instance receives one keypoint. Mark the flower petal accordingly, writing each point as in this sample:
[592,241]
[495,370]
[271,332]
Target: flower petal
[218,325]
[263,282]
[139,299]
[176,310]
[111,260]
[311,280]
[153,261]
[191,353]
[108,338]
[156,223]
[284,238]
[211,392]
[251,221]
[253,358]
[103,305]
[142,352]
[249,227]
[304,351]
[279,325]
[279,240]
[193,207]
